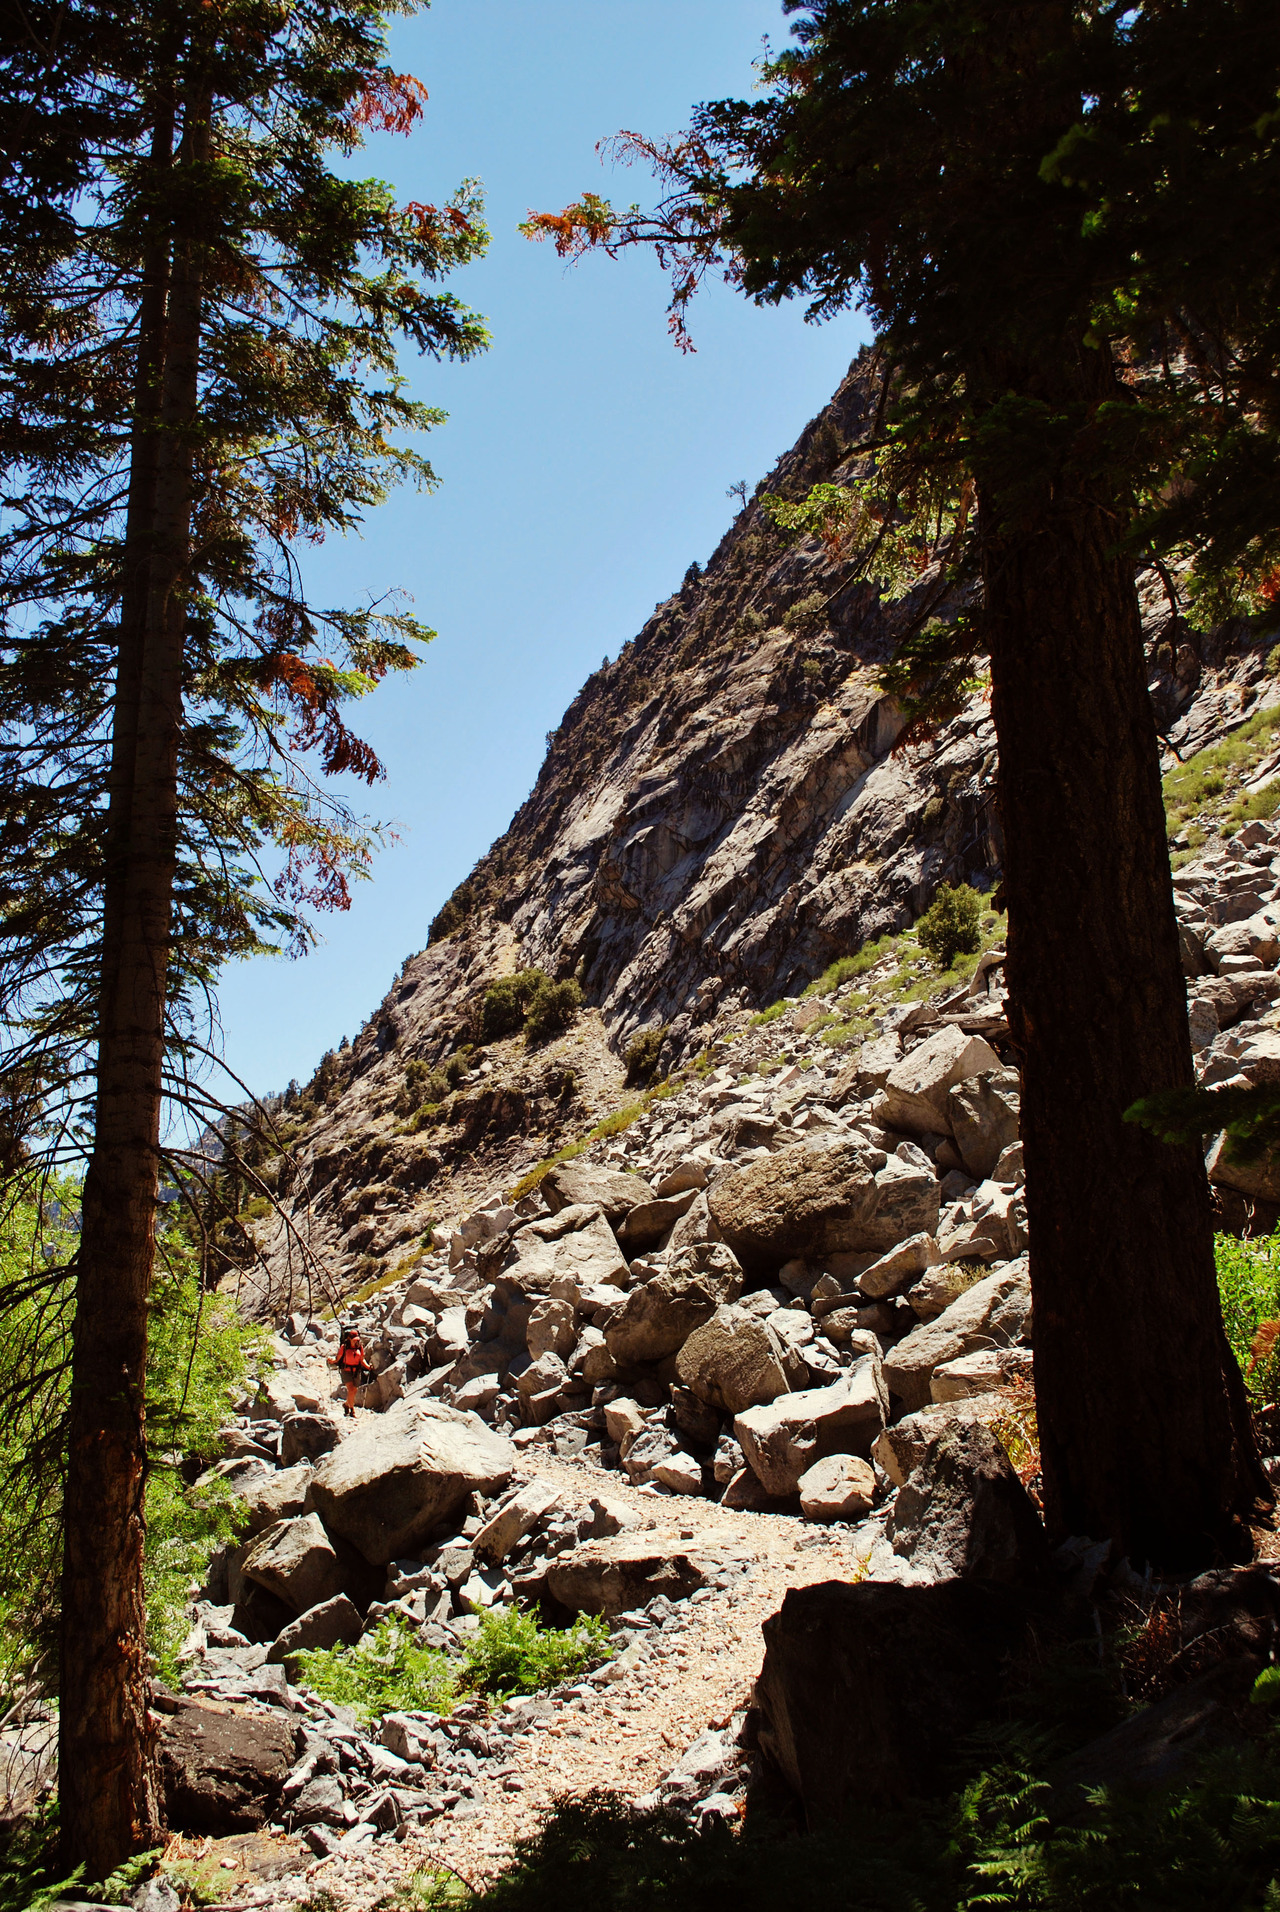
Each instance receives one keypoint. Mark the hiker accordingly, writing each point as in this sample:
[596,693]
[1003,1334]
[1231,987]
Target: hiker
[349,1360]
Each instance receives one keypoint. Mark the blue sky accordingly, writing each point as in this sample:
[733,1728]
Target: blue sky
[584,464]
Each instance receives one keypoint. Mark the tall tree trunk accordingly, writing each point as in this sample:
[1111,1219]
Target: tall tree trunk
[106,1769]
[1144,1428]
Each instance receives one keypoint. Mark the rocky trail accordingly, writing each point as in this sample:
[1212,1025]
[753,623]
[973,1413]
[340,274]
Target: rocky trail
[772,1334]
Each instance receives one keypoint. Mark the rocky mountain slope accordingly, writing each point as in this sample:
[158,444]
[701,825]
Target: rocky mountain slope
[721,813]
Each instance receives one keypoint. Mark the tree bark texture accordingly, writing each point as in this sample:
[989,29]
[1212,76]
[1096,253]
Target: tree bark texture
[108,1799]
[1145,1435]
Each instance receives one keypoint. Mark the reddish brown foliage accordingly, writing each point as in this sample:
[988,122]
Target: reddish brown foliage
[318,724]
[390,103]
[1263,1345]
[432,220]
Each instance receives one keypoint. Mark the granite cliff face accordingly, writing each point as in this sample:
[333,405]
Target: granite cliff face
[720,814]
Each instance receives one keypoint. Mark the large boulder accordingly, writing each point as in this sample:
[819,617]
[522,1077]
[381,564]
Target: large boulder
[585,1184]
[914,1098]
[824,1199]
[905,1443]
[296,1561]
[575,1247]
[983,1114]
[659,1316]
[552,1329]
[222,1772]
[867,1690]
[273,1496]
[734,1361]
[803,1202]
[995,1312]
[989,1225]
[869,1070]
[305,1437]
[783,1440]
[907,1202]
[841,1487]
[1256,936]
[900,1267]
[613,1576]
[329,1623]
[1258,1177]
[399,1474]
[964,1514]
[645,1225]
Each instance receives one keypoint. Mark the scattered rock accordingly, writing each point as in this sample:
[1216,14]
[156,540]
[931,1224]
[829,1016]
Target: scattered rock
[613,1576]
[982,1114]
[330,1623]
[515,1517]
[658,1317]
[900,1267]
[841,1487]
[783,1440]
[995,1311]
[915,1097]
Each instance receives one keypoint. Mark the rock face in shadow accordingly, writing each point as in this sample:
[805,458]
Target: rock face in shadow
[222,1772]
[964,1513]
[866,1690]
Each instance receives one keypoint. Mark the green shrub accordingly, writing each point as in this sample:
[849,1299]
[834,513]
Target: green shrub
[529,1000]
[506,1003]
[384,1673]
[642,1056]
[455,912]
[951,926]
[840,1033]
[845,968]
[197,1362]
[812,667]
[552,1008]
[512,1653]
[1249,1290]
[436,1890]
[31,1877]
[807,614]
[1199,783]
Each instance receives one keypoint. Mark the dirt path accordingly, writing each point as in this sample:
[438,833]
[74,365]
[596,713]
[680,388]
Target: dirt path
[628,1734]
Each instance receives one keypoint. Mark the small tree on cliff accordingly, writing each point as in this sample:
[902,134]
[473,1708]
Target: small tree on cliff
[1012,191]
[199,368]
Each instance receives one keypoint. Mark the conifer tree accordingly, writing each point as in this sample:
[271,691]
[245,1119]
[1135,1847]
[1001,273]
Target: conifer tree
[1060,216]
[200,328]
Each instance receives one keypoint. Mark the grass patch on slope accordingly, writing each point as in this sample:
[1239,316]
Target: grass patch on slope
[1207,791]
